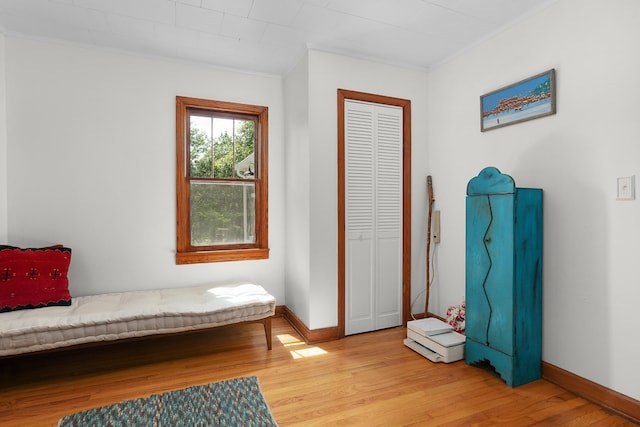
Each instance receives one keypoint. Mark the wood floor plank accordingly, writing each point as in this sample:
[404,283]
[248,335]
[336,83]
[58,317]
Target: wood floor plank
[363,380]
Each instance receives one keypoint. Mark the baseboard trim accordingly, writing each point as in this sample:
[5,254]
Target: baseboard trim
[310,336]
[609,399]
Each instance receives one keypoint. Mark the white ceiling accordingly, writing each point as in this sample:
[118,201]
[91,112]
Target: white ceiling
[269,36]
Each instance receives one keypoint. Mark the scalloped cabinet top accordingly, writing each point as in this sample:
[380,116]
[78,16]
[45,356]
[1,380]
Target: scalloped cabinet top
[491,181]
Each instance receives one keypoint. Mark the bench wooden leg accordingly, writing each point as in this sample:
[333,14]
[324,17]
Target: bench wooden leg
[267,330]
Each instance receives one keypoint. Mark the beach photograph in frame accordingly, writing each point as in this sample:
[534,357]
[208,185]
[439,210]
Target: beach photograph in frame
[525,100]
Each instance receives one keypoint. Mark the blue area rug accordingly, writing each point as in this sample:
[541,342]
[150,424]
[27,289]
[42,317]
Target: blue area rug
[236,402]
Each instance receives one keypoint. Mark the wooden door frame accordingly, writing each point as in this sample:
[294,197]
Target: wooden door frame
[405,104]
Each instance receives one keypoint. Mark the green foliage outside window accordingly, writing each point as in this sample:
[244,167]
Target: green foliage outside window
[219,151]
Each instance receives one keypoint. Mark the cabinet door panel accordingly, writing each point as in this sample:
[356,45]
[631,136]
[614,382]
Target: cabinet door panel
[499,287]
[477,267]
[489,271]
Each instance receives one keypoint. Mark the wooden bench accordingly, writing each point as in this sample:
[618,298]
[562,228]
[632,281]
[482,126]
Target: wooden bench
[115,316]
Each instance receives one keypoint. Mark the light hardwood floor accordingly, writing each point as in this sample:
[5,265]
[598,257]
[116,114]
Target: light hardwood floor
[364,380]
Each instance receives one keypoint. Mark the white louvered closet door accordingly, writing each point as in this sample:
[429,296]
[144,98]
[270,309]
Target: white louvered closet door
[373,216]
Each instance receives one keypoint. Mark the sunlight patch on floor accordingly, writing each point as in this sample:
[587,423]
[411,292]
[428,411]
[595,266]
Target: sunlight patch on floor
[307,352]
[299,353]
[289,340]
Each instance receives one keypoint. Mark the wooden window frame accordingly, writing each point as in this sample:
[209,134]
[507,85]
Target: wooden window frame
[185,252]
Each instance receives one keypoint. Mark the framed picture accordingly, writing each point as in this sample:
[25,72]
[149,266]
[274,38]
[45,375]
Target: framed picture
[525,100]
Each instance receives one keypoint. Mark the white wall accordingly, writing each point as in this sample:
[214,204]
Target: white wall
[297,280]
[328,73]
[91,143]
[3,145]
[591,241]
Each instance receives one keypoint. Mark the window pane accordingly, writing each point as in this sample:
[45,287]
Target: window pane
[221,147]
[222,213]
[200,147]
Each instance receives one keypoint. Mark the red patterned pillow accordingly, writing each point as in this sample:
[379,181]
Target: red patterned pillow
[33,277]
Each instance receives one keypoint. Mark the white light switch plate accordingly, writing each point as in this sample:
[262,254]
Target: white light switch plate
[626,188]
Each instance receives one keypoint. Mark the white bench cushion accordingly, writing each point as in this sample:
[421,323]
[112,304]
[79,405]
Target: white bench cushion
[115,316]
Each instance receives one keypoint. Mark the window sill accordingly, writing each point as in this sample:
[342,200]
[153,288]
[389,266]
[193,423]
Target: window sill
[222,255]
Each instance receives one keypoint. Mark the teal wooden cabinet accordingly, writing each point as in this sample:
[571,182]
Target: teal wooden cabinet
[504,276]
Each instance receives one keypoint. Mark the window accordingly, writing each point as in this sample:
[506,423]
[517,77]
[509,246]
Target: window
[221,181]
